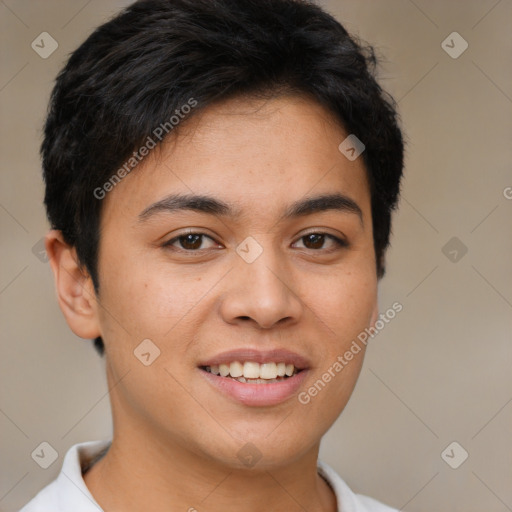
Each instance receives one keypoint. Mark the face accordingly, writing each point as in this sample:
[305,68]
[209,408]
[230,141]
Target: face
[256,276]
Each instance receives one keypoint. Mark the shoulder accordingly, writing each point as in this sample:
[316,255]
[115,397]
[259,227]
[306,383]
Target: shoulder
[47,497]
[45,500]
[347,500]
[68,491]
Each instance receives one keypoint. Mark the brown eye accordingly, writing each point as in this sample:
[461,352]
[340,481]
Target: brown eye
[315,241]
[188,242]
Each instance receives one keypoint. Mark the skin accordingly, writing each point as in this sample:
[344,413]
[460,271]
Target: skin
[176,437]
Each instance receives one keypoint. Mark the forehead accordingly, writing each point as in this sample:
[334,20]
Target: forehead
[249,153]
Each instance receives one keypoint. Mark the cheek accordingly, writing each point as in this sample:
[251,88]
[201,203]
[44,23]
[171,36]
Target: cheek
[345,306]
[345,303]
[147,300]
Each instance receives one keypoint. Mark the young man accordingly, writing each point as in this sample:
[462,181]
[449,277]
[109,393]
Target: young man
[220,177]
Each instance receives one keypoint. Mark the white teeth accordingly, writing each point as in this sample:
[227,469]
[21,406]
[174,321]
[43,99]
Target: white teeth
[251,370]
[236,369]
[257,373]
[224,370]
[268,371]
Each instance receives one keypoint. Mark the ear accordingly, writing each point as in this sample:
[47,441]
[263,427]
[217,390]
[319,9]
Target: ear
[75,290]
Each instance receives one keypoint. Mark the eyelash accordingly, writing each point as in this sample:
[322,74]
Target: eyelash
[338,241]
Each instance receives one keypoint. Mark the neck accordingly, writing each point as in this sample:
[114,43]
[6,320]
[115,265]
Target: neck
[143,474]
[146,468]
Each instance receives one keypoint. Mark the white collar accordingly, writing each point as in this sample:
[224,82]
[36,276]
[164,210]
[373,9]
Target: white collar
[69,492]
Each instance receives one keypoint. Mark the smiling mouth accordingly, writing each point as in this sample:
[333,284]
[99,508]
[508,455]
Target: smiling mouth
[250,372]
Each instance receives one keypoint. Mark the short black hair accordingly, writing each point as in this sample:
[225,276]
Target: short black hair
[138,70]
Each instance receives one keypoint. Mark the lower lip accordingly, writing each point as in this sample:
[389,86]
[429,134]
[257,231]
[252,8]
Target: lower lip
[257,395]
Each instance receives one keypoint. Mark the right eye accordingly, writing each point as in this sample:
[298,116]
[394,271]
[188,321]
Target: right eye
[189,242]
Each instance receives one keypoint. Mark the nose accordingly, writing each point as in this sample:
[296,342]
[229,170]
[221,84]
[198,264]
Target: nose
[261,292]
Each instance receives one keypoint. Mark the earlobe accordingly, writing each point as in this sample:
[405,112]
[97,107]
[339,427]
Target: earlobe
[74,287]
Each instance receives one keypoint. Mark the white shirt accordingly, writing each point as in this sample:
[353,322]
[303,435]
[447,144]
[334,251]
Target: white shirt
[68,492]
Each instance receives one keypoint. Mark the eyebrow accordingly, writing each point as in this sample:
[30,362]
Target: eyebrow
[212,206]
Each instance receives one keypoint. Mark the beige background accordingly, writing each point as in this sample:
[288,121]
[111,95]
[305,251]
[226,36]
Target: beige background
[439,372]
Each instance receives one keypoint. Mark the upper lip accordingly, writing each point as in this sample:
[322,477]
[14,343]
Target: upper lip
[258,356]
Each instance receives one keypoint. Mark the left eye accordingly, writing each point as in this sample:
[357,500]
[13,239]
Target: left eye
[313,241]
